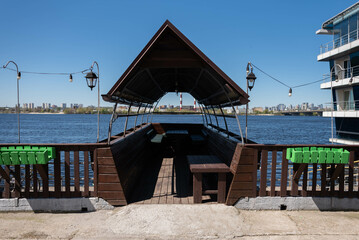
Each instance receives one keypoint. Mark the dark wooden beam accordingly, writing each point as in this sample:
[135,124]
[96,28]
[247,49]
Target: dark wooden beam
[4,175]
[154,80]
[337,172]
[177,63]
[299,172]
[197,80]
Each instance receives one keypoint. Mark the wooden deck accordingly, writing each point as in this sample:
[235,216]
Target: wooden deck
[168,181]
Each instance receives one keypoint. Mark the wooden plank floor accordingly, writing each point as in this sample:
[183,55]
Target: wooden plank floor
[170,183]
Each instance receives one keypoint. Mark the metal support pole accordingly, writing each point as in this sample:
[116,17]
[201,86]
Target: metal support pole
[98,98]
[246,114]
[138,111]
[18,96]
[214,112]
[209,115]
[200,108]
[204,113]
[225,121]
[155,107]
[111,122]
[144,112]
[18,111]
[230,101]
[148,114]
[128,112]
[332,108]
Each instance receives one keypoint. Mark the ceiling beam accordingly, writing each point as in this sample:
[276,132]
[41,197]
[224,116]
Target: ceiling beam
[154,80]
[197,80]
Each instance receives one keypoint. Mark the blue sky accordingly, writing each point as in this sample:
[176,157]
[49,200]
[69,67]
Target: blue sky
[67,36]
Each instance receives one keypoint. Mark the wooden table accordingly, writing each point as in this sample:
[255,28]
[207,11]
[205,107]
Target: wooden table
[179,136]
[177,132]
[199,164]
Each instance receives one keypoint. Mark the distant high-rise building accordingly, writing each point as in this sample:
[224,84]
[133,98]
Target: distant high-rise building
[63,105]
[281,107]
[31,105]
[25,106]
[305,106]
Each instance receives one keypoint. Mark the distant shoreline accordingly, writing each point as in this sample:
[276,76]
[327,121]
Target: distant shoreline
[160,113]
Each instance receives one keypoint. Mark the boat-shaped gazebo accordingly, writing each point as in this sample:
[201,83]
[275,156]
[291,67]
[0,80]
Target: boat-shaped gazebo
[177,163]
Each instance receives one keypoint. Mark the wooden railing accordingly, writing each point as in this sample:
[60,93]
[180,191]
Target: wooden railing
[72,173]
[276,176]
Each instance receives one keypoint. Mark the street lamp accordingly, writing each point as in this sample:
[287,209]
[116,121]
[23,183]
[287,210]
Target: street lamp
[251,78]
[92,79]
[331,89]
[18,104]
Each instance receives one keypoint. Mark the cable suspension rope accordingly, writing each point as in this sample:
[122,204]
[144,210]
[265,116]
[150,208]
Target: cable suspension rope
[297,86]
[49,73]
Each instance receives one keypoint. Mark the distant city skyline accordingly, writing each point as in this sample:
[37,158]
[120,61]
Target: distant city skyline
[279,107]
[285,46]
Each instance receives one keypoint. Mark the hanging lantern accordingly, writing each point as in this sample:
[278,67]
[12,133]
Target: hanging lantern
[251,78]
[91,79]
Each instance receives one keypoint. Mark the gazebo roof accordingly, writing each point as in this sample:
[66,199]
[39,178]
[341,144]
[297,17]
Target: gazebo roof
[172,63]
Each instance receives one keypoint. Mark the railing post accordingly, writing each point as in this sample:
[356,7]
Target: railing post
[95,173]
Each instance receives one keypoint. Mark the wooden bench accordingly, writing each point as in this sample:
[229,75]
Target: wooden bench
[155,137]
[199,164]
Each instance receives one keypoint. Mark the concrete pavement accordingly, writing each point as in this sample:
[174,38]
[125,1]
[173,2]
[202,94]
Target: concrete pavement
[205,221]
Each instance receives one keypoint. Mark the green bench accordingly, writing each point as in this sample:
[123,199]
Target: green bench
[318,155]
[26,155]
[155,137]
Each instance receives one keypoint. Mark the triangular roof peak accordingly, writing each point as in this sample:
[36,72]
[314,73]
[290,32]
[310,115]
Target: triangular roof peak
[170,62]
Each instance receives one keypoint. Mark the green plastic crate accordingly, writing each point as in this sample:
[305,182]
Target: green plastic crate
[306,156]
[314,155]
[6,158]
[26,155]
[318,155]
[31,158]
[345,157]
[23,158]
[322,156]
[330,157]
[14,158]
[297,156]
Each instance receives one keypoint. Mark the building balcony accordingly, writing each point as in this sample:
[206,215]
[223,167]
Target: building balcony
[346,77]
[348,109]
[339,47]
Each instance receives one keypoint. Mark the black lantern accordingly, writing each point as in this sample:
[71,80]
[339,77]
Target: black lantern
[91,79]
[251,78]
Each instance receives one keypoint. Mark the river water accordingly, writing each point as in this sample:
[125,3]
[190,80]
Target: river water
[78,128]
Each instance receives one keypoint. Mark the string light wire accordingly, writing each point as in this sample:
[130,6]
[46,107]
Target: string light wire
[48,73]
[297,86]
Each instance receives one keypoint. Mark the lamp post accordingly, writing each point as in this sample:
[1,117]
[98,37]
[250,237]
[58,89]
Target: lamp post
[92,79]
[331,89]
[18,101]
[251,78]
